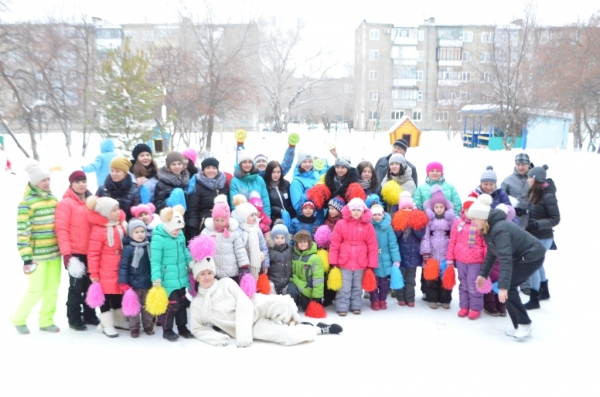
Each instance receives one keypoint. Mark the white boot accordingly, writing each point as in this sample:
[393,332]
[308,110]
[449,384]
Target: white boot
[107,324]
[121,322]
[523,331]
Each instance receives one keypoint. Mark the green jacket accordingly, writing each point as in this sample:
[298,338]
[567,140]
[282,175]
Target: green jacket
[36,231]
[423,194]
[169,259]
[307,272]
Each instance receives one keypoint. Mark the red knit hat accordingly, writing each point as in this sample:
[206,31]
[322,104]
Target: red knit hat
[76,175]
[469,201]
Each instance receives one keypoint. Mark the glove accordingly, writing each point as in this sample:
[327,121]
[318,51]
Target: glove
[521,211]
[124,287]
[243,271]
[156,283]
[533,226]
[396,264]
[66,259]
[426,256]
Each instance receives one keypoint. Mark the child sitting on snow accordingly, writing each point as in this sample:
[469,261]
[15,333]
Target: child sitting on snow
[146,214]
[280,257]
[308,276]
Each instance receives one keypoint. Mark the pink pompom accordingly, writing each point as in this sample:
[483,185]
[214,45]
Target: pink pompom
[95,296]
[487,287]
[323,236]
[193,291]
[202,247]
[248,285]
[131,304]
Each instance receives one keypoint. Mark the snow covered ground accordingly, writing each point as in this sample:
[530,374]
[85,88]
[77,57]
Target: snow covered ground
[401,350]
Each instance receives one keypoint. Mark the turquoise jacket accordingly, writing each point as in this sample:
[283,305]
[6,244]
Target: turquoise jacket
[248,184]
[101,166]
[389,252]
[423,194]
[169,259]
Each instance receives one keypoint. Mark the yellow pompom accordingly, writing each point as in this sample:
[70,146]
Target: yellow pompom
[334,281]
[391,192]
[157,301]
[324,256]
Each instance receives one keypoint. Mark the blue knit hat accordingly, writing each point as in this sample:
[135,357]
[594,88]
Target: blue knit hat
[338,203]
[489,175]
[279,229]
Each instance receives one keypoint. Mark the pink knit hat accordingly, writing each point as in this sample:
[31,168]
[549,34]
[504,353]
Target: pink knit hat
[221,209]
[406,200]
[357,204]
[190,154]
[435,166]
[256,201]
[138,209]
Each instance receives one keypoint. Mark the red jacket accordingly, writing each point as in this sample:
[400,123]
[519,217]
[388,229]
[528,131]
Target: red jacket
[72,225]
[354,242]
[103,260]
[458,246]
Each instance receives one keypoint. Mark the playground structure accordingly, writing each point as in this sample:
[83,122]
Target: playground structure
[407,130]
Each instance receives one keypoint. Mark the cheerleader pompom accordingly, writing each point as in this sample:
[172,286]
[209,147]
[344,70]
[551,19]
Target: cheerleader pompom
[131,304]
[95,296]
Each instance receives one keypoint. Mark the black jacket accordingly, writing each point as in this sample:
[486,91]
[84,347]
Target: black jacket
[280,270]
[275,196]
[202,200]
[136,278]
[339,189]
[383,165]
[125,192]
[167,182]
[511,245]
[545,213]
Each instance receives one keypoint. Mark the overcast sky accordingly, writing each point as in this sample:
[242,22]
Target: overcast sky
[329,23]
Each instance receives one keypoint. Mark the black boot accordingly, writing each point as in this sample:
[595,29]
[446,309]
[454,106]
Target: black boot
[329,329]
[544,291]
[533,303]
[170,335]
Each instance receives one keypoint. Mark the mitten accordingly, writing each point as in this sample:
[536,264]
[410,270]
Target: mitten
[521,211]
[396,264]
[124,287]
[66,259]
[533,226]
[156,283]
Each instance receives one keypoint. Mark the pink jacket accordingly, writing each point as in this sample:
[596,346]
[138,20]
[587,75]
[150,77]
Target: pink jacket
[458,246]
[72,225]
[354,242]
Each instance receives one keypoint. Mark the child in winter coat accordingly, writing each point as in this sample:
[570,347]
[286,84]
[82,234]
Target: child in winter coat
[434,245]
[101,164]
[264,222]
[435,176]
[254,241]
[353,248]
[466,251]
[134,272]
[230,256]
[171,177]
[334,213]
[306,221]
[104,256]
[308,275]
[145,213]
[388,256]
[410,225]
[169,259]
[280,257]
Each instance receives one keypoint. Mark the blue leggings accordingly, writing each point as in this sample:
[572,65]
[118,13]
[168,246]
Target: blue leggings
[540,275]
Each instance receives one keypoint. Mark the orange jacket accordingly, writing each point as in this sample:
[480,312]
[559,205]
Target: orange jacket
[72,225]
[103,260]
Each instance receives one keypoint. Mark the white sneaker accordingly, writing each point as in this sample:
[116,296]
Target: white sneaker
[523,331]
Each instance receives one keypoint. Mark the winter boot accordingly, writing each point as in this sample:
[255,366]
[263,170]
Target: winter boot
[523,331]
[382,305]
[432,305]
[121,321]
[135,333]
[22,329]
[107,324]
[489,304]
[332,329]
[184,332]
[170,335]
[375,305]
[534,302]
[91,320]
[51,328]
[463,312]
[474,315]
[80,326]
[544,292]
[446,305]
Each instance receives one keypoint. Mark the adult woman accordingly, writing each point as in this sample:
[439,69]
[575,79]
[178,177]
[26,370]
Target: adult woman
[201,196]
[401,173]
[119,185]
[340,176]
[144,168]
[279,191]
[248,181]
[518,252]
[368,177]
[73,240]
[543,216]
[190,156]
[305,177]
[170,177]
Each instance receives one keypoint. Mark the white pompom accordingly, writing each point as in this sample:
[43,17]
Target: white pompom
[485,199]
[76,268]
[221,198]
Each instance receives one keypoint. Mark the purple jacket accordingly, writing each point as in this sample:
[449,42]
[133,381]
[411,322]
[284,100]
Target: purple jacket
[437,235]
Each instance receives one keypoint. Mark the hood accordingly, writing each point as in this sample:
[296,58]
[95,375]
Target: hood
[365,218]
[107,146]
[496,216]
[384,224]
[69,193]
[232,227]
[310,251]
[32,190]
[551,187]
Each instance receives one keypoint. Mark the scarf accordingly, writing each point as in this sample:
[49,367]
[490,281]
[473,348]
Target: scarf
[472,232]
[138,252]
[365,184]
[216,183]
[118,190]
[253,243]
[306,219]
[225,231]
[110,234]
[206,293]
[431,182]
[168,178]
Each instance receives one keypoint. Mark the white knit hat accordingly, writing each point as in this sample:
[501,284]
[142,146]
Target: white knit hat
[205,264]
[377,209]
[481,208]
[244,156]
[243,209]
[304,155]
[102,205]
[37,172]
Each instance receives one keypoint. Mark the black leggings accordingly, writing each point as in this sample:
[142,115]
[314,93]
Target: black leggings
[111,301]
[514,306]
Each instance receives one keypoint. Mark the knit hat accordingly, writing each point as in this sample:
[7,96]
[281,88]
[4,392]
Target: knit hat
[139,149]
[402,144]
[133,224]
[261,157]
[191,154]
[522,158]
[172,157]
[405,200]
[138,209]
[489,175]
[438,197]
[397,158]
[256,200]
[377,209]
[308,203]
[481,208]
[357,204]
[304,155]
[337,203]
[538,173]
[76,175]
[37,172]
[103,205]
[172,218]
[469,201]
[244,156]
[343,161]
[221,209]
[211,161]
[279,229]
[243,209]
[435,166]
[121,163]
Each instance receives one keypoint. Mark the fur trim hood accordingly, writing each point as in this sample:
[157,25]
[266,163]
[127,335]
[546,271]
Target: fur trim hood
[365,218]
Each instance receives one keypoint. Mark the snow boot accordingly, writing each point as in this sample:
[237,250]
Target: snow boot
[170,335]
[135,333]
[474,315]
[184,332]
[80,326]
[375,305]
[463,312]
[523,331]
[121,321]
[51,328]
[95,321]
[332,329]
[534,302]
[544,292]
[432,305]
[22,329]
[446,306]
[382,305]
[107,324]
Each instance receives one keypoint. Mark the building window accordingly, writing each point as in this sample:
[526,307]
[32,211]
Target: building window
[397,114]
[373,95]
[405,72]
[419,75]
[419,95]
[441,115]
[448,74]
[373,74]
[404,32]
[420,55]
[449,54]
[485,57]
[417,115]
[374,55]
[372,114]
[487,37]
[467,37]
[465,96]
[466,76]
[405,95]
[374,34]
[486,77]
[466,56]
[421,35]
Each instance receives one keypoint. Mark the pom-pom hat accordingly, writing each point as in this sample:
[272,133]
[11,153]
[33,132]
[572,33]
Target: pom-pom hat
[243,208]
[405,200]
[437,197]
[103,205]
[221,208]
[481,208]
[538,173]
[489,175]
[138,209]
[279,229]
[37,172]
[202,249]
[357,204]
[308,203]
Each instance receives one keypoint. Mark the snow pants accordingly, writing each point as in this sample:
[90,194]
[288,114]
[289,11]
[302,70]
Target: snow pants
[283,334]
[383,287]
[176,311]
[407,294]
[350,295]
[76,306]
[147,318]
[469,297]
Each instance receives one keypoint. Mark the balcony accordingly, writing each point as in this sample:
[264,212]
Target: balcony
[404,82]
[443,62]
[448,83]
[450,43]
[404,103]
[405,41]
[405,61]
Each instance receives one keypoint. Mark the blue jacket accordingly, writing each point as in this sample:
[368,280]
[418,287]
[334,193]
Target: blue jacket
[136,278]
[300,184]
[409,243]
[102,163]
[388,246]
[247,185]
[499,196]
[296,226]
